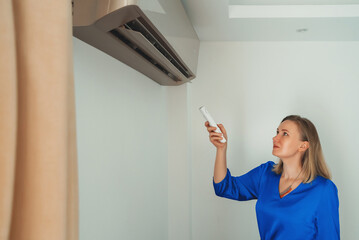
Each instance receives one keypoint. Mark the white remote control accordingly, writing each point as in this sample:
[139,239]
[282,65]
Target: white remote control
[212,123]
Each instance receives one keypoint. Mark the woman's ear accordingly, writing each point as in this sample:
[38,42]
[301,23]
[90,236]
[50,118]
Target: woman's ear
[304,146]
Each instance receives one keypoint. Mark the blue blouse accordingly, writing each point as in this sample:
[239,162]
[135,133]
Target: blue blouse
[310,211]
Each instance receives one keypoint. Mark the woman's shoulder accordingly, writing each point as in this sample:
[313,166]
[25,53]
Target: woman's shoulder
[326,184]
[267,167]
[327,192]
[324,181]
[268,164]
[261,169]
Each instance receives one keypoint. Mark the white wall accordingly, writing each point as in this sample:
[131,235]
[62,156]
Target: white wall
[145,161]
[122,142]
[250,87]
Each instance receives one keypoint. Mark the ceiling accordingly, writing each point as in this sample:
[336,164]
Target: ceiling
[210,19]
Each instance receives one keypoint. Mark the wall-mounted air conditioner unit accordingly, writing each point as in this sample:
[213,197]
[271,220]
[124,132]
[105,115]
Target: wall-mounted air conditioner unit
[164,48]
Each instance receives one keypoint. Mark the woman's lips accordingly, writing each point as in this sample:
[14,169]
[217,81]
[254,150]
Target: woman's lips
[275,146]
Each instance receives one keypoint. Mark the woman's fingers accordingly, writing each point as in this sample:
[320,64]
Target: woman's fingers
[222,128]
[215,136]
[209,128]
[212,129]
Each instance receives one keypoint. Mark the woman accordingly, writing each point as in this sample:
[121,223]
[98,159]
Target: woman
[296,198]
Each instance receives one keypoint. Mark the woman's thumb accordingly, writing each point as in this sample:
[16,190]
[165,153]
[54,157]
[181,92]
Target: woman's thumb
[222,128]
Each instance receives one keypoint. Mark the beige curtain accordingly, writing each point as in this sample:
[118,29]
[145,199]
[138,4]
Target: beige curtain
[38,158]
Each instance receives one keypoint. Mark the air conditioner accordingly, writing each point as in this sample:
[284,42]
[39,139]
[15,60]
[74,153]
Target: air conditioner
[164,48]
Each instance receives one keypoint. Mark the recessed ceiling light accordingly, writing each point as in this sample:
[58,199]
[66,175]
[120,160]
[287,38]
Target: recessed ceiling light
[293,11]
[300,30]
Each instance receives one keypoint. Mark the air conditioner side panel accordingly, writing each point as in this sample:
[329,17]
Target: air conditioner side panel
[171,20]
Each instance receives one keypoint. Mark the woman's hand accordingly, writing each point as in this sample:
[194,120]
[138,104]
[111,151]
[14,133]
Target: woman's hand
[215,137]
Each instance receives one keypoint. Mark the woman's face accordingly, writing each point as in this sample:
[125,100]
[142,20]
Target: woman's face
[287,143]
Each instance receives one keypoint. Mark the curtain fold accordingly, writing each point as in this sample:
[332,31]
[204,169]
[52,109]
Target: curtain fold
[38,156]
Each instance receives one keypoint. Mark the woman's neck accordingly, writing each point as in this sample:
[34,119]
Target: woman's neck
[291,170]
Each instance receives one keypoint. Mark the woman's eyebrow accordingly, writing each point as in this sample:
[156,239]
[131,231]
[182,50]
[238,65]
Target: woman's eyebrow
[285,130]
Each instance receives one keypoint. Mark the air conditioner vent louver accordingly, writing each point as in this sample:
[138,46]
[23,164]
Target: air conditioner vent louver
[132,45]
[139,25]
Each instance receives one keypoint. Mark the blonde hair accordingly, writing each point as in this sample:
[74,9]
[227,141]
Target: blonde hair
[313,163]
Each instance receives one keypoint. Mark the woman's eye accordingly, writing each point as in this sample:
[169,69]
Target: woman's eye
[285,134]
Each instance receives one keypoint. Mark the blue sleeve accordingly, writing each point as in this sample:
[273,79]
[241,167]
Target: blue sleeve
[328,213]
[242,188]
